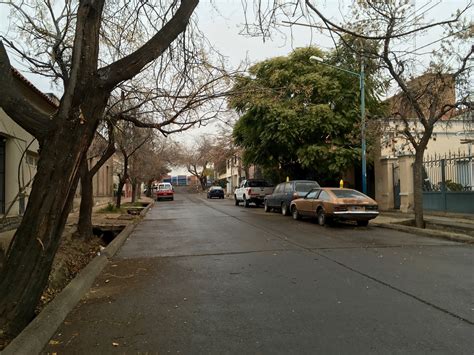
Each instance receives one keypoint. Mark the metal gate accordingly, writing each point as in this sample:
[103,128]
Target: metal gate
[448,183]
[2,175]
[396,186]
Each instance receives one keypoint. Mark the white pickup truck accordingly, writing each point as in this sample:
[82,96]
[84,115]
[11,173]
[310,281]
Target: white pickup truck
[252,190]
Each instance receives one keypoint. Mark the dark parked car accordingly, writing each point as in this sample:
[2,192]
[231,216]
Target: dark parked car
[286,192]
[215,191]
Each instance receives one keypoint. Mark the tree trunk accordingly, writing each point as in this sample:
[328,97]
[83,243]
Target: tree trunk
[203,181]
[418,187]
[118,200]
[84,224]
[31,252]
[123,179]
[134,192]
[148,188]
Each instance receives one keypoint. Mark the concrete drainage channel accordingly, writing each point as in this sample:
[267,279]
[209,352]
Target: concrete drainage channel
[36,335]
[107,233]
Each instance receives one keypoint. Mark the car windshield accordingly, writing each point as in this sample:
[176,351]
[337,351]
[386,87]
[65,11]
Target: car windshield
[348,194]
[258,183]
[305,186]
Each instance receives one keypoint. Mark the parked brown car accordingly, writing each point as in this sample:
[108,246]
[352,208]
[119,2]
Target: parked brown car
[329,203]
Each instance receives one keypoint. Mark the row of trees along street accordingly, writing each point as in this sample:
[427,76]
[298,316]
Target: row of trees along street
[126,67]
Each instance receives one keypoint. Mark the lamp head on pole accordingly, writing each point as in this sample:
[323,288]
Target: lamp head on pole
[314,58]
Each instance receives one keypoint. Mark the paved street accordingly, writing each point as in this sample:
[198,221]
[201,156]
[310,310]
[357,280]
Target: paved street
[207,277]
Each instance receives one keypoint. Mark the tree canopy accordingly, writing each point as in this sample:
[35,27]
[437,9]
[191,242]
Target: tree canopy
[299,116]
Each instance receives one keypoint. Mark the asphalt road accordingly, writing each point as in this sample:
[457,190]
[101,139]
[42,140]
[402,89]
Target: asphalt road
[207,277]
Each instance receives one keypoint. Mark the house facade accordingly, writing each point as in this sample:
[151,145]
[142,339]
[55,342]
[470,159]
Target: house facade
[235,172]
[448,159]
[19,155]
[19,151]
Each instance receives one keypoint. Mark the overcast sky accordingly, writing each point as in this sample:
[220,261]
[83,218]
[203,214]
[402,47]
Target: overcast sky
[222,20]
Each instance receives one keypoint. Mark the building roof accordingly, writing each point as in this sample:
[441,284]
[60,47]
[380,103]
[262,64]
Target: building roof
[47,97]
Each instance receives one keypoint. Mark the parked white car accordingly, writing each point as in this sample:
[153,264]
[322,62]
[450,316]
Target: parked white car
[252,191]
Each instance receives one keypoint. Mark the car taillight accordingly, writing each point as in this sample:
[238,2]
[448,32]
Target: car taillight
[340,208]
[250,191]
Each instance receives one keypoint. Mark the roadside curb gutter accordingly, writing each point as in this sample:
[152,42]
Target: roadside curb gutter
[458,237]
[37,334]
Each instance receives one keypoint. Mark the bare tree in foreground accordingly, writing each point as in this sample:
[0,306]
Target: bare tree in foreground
[66,136]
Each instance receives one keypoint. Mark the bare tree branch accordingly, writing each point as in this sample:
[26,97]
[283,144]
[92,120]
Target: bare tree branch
[132,64]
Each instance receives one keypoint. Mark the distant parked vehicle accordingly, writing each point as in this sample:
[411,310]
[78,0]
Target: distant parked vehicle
[286,192]
[164,191]
[252,191]
[329,203]
[215,191]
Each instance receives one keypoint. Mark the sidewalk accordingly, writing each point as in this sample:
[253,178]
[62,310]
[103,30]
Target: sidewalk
[459,227]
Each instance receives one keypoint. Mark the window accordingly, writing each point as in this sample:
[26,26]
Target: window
[279,188]
[302,187]
[348,194]
[313,194]
[164,187]
[258,183]
[288,187]
[324,196]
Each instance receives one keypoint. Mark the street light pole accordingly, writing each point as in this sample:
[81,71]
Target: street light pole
[361,76]
[362,128]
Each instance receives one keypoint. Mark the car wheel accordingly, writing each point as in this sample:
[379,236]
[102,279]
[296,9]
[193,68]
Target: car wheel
[362,223]
[295,214]
[246,202]
[265,207]
[235,200]
[321,217]
[284,209]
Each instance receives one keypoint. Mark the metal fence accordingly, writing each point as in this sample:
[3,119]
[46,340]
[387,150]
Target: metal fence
[451,172]
[448,182]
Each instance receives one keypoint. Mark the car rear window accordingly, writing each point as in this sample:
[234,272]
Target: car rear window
[258,183]
[164,187]
[216,188]
[305,186]
[348,194]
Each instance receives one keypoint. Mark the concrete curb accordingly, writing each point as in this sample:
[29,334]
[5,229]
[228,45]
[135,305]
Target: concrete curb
[37,334]
[428,232]
[147,208]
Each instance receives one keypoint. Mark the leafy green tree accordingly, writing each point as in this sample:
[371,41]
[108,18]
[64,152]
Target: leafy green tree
[299,117]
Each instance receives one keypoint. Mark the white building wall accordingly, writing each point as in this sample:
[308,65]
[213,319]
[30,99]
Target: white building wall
[21,155]
[447,137]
